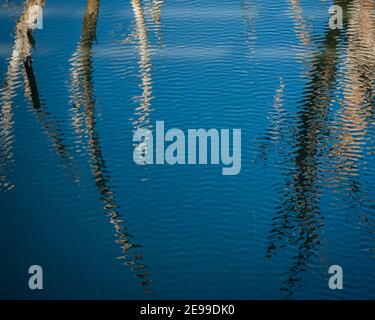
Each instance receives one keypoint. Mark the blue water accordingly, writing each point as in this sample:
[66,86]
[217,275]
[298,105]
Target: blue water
[74,202]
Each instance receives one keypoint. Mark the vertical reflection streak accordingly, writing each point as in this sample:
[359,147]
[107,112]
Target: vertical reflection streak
[156,6]
[300,25]
[22,55]
[7,94]
[277,132]
[49,124]
[353,122]
[144,108]
[249,12]
[84,104]
[21,50]
[298,220]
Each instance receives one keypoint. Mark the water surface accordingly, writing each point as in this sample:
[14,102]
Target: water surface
[74,201]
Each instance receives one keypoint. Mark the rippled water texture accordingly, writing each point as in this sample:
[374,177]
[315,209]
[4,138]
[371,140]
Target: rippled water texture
[74,202]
